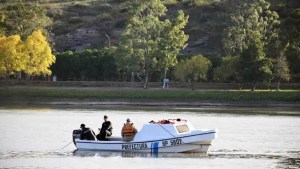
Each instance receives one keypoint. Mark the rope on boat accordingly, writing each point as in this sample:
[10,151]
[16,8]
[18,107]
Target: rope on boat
[67,145]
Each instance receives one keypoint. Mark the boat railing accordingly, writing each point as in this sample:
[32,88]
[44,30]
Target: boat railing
[168,121]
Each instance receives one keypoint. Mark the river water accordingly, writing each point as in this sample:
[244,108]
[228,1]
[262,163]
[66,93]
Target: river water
[33,138]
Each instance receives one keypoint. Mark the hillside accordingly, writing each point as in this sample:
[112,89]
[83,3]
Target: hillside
[88,24]
[81,24]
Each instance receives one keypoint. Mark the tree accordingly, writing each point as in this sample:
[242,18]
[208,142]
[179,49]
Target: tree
[39,55]
[291,30]
[2,29]
[127,61]
[251,35]
[281,69]
[254,66]
[228,70]
[248,19]
[98,64]
[23,19]
[62,68]
[194,69]
[151,41]
[174,39]
[11,55]
[90,64]
[293,56]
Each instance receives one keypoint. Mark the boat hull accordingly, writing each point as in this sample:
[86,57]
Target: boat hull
[196,143]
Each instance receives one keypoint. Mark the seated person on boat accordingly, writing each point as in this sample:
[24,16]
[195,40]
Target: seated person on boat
[128,131]
[105,130]
[86,133]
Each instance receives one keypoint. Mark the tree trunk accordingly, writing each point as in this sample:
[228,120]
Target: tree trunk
[278,85]
[254,86]
[166,71]
[192,84]
[146,80]
[164,82]
[19,75]
[27,77]
[241,86]
[6,76]
[132,79]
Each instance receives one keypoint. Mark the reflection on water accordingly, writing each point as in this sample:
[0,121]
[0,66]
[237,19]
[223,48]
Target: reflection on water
[32,154]
[292,160]
[85,153]
[289,163]
[283,161]
[82,153]
[295,155]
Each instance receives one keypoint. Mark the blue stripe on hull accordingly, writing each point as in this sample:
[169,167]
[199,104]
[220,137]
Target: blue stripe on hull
[154,147]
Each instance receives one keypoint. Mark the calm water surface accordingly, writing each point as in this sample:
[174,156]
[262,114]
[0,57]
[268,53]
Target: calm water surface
[33,138]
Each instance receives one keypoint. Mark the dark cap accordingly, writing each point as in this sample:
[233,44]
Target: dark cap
[82,126]
[128,119]
[105,116]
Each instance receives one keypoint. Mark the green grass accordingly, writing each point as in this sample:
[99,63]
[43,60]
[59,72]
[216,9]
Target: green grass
[151,94]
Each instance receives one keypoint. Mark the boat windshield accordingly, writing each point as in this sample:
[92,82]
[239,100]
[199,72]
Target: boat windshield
[182,128]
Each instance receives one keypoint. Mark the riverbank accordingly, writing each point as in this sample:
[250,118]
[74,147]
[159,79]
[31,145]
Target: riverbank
[112,96]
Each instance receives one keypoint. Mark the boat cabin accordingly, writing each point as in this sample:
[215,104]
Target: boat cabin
[164,128]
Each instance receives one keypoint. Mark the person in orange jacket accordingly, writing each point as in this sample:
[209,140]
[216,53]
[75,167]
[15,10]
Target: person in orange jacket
[128,131]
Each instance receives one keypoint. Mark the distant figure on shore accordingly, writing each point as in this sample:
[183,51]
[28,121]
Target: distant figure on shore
[86,133]
[105,130]
[128,131]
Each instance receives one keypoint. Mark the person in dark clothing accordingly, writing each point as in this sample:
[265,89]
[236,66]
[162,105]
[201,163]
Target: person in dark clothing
[105,130]
[86,133]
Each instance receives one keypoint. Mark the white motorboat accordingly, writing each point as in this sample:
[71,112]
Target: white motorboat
[173,135]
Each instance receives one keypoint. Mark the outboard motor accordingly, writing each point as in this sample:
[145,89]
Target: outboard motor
[76,135]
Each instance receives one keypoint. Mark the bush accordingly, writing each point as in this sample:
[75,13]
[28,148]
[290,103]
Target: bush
[91,64]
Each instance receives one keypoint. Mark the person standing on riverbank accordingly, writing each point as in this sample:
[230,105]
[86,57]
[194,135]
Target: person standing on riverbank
[105,130]
[128,131]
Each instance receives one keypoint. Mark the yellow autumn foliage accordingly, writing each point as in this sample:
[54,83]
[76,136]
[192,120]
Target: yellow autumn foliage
[34,56]
[11,55]
[39,55]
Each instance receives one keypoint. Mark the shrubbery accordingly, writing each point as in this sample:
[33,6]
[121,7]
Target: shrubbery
[87,65]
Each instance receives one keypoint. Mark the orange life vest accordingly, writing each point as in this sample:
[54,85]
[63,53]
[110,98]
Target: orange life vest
[128,129]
